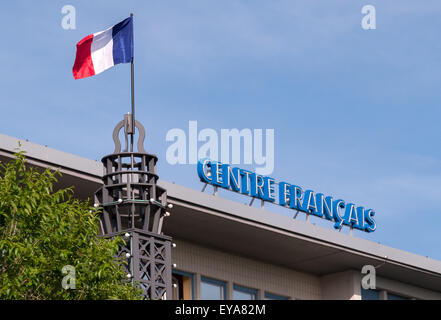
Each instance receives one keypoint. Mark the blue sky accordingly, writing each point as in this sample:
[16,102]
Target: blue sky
[355,112]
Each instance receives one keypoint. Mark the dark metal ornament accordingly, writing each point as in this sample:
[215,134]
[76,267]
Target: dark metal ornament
[134,206]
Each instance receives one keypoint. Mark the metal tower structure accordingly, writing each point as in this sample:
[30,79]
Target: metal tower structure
[134,206]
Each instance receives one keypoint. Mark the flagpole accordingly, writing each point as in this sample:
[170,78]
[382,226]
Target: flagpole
[132,71]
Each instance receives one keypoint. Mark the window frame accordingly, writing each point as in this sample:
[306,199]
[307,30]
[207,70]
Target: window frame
[216,282]
[273,296]
[189,275]
[240,288]
[367,293]
[395,295]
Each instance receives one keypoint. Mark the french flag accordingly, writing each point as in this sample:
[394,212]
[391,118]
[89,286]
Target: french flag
[100,51]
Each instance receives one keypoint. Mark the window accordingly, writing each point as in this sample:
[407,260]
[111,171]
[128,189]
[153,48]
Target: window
[272,296]
[212,289]
[370,294]
[391,296]
[182,285]
[243,293]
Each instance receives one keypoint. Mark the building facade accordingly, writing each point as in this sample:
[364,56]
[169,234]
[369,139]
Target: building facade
[228,250]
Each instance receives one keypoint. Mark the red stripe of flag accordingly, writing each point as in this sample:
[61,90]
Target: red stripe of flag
[83,66]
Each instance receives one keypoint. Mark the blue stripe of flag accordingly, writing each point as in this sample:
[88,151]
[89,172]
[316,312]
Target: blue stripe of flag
[122,34]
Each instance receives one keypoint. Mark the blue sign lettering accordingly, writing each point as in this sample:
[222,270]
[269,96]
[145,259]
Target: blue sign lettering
[289,195]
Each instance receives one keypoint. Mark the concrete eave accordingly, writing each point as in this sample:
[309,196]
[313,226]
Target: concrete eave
[237,228]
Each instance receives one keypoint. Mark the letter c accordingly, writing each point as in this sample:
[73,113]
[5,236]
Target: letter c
[202,165]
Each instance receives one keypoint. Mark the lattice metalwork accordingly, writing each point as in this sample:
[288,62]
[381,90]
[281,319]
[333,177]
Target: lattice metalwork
[148,258]
[133,204]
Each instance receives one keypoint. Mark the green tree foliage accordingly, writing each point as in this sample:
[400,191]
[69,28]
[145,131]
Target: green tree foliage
[42,230]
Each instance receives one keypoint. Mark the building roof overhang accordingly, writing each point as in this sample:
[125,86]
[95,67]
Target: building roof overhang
[248,231]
